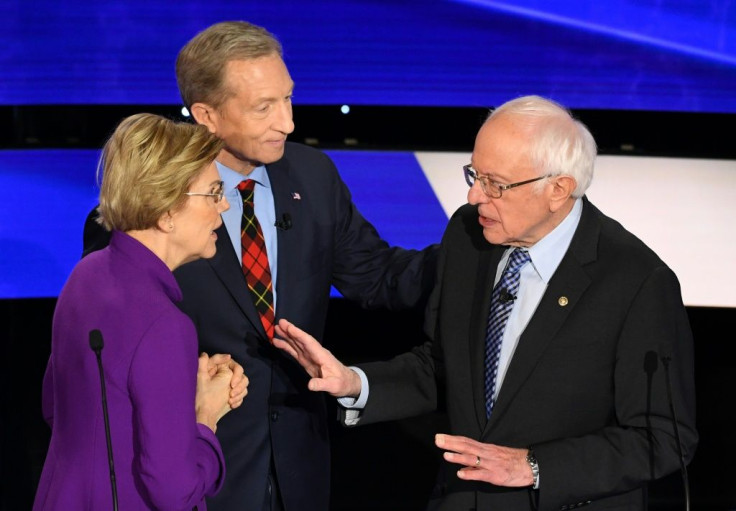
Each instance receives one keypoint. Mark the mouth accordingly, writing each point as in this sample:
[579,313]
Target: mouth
[487,222]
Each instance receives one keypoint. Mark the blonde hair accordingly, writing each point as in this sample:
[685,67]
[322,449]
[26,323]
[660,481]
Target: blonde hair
[201,63]
[146,166]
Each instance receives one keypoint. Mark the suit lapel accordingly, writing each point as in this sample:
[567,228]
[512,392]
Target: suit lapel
[487,264]
[287,201]
[558,302]
[230,272]
[563,293]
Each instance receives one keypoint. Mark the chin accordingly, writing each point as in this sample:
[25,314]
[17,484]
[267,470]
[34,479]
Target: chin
[492,237]
[273,155]
[208,254]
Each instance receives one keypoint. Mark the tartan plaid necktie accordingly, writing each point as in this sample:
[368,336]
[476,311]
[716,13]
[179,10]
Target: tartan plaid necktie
[502,302]
[255,259]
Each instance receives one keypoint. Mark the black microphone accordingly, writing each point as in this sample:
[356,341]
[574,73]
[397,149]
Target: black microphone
[506,297]
[96,343]
[683,466]
[285,223]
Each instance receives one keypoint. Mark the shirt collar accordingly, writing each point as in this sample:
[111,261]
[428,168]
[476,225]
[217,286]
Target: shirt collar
[547,253]
[230,178]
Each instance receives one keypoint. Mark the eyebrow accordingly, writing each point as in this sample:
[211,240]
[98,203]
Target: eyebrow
[272,99]
[483,174]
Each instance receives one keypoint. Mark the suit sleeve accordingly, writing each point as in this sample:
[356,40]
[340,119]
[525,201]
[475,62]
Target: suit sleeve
[366,269]
[178,460]
[409,384]
[641,446]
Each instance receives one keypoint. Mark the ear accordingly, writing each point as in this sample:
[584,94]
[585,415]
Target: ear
[562,189]
[206,115]
[166,222]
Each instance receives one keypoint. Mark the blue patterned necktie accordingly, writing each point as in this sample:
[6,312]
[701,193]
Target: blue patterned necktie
[502,301]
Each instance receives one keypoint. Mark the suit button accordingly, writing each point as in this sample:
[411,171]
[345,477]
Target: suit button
[274,416]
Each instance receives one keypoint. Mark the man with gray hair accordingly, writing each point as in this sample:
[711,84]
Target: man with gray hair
[556,337]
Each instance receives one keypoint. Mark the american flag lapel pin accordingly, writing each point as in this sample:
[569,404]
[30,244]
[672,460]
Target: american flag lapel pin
[296,196]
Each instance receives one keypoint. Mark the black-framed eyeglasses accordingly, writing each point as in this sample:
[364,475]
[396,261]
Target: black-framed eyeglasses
[489,187]
[217,194]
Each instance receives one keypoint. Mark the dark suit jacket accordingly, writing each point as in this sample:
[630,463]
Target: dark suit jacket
[585,388]
[328,243]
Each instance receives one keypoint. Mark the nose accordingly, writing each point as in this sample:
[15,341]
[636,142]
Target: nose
[223,205]
[284,120]
[476,195]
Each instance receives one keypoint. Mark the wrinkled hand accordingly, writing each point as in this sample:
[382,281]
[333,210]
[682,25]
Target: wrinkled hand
[328,374]
[238,383]
[502,466]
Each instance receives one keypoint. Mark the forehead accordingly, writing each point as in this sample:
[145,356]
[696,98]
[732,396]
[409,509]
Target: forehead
[259,77]
[501,147]
[208,176]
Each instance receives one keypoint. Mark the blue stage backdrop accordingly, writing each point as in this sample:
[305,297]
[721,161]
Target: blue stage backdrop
[673,55]
[41,227]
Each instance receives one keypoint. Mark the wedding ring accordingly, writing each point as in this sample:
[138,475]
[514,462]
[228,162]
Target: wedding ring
[477,461]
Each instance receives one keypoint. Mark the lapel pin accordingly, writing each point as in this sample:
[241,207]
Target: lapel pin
[296,196]
[562,301]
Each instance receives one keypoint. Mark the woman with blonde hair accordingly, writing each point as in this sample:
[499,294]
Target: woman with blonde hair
[161,197]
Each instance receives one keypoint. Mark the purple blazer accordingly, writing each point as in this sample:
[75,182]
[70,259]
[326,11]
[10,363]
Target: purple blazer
[163,458]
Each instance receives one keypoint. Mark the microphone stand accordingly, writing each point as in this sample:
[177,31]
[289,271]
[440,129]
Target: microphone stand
[683,466]
[96,343]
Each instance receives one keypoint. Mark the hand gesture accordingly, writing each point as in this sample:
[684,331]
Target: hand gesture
[328,374]
[502,466]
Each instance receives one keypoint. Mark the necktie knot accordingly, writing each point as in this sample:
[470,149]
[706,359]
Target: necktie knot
[519,257]
[246,187]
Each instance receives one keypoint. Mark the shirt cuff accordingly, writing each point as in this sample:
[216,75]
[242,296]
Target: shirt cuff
[353,406]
